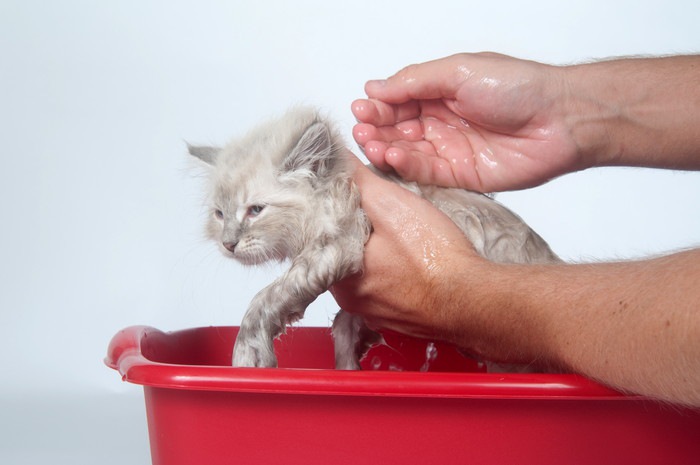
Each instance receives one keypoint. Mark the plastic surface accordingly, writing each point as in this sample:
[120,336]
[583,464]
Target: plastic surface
[414,402]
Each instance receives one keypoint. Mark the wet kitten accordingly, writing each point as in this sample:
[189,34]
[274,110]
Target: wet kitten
[284,192]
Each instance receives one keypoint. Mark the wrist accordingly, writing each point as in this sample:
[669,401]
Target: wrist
[634,111]
[495,315]
[591,113]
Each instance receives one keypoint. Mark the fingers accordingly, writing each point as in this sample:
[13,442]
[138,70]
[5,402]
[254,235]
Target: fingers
[408,131]
[423,160]
[382,153]
[409,124]
[379,113]
[382,126]
[366,136]
[364,133]
[415,166]
[427,151]
[375,152]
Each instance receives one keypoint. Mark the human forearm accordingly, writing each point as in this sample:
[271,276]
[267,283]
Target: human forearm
[632,325]
[636,111]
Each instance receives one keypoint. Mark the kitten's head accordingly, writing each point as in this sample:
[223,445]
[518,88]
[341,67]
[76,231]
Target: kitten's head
[268,186]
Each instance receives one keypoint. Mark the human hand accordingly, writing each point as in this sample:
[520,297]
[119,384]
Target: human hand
[410,261]
[484,122]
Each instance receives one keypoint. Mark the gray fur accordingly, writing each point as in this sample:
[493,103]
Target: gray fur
[284,192]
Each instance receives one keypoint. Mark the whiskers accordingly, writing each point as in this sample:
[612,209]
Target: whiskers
[254,252]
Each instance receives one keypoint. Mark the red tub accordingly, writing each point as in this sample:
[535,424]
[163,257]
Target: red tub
[415,403]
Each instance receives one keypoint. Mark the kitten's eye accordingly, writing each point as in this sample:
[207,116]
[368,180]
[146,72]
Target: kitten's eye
[255,210]
[219,214]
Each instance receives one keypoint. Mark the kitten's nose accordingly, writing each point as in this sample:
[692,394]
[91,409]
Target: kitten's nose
[230,246]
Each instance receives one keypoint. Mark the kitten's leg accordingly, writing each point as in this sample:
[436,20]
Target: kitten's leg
[266,318]
[254,343]
[352,339]
[285,301]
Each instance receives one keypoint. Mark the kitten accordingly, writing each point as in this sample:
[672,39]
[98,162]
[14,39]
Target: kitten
[284,192]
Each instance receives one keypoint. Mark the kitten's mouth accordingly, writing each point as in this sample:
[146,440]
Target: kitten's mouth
[248,261]
[235,254]
[252,259]
[250,255]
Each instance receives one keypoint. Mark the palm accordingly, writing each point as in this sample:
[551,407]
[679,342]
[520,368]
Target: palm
[484,122]
[437,146]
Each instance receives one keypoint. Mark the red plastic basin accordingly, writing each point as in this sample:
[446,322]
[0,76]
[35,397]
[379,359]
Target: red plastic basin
[412,403]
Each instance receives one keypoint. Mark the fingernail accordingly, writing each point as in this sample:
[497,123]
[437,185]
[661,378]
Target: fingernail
[377,82]
[374,85]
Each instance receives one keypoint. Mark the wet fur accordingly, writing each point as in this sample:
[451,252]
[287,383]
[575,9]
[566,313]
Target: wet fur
[284,192]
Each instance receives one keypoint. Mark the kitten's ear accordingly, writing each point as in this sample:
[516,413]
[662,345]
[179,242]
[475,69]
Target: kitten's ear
[313,151]
[206,154]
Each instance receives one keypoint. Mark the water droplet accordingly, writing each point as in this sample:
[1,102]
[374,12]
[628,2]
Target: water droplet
[430,356]
[431,352]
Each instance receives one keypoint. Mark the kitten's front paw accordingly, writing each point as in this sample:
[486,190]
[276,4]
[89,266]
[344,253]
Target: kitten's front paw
[253,355]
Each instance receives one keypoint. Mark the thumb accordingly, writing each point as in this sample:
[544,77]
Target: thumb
[391,207]
[376,192]
[430,80]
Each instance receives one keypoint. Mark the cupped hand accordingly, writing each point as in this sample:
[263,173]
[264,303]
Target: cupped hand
[484,122]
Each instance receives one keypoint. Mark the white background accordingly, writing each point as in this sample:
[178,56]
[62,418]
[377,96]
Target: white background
[102,218]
